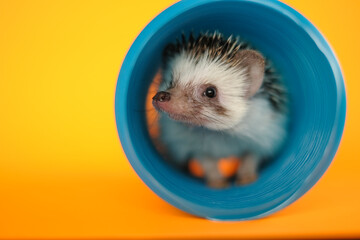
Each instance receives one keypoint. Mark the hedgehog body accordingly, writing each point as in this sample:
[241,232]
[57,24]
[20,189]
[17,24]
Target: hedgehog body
[220,98]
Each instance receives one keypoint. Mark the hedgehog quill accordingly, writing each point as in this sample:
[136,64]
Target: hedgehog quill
[220,98]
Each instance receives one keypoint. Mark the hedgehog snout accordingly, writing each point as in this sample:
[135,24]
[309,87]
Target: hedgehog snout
[161,100]
[162,96]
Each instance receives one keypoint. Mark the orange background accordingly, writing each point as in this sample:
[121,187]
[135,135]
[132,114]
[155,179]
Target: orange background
[63,173]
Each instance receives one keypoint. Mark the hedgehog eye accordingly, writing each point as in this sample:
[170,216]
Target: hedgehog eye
[210,92]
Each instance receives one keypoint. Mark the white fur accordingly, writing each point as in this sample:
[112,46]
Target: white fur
[230,82]
[262,130]
[250,126]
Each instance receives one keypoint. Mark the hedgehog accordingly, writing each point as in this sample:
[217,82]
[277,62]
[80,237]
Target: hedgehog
[220,97]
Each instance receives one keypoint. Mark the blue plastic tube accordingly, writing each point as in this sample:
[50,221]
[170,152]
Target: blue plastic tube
[310,71]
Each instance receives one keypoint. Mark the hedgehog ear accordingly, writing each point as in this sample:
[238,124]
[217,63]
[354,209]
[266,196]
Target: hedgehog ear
[254,63]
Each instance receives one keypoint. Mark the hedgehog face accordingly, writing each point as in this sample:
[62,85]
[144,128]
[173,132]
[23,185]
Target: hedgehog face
[207,89]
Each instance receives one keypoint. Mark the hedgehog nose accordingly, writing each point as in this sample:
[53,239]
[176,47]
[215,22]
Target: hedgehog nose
[162,96]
